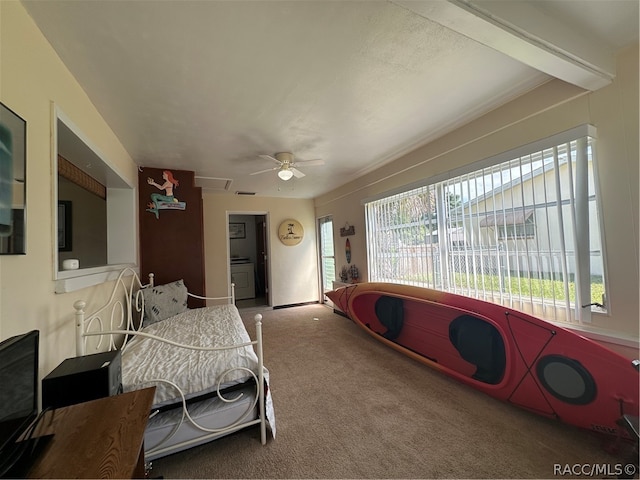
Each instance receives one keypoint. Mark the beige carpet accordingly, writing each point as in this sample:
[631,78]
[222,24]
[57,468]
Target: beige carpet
[349,407]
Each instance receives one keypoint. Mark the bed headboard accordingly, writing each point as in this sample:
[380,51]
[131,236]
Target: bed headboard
[124,306]
[121,315]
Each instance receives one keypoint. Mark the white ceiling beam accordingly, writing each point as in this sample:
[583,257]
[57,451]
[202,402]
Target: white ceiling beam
[526,33]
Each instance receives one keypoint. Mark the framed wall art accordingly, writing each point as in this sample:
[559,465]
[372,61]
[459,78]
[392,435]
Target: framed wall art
[237,230]
[13,147]
[65,234]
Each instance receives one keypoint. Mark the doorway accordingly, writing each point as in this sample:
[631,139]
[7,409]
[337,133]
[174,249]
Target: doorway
[249,259]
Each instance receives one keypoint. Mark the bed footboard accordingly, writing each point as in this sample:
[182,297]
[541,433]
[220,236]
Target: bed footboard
[191,427]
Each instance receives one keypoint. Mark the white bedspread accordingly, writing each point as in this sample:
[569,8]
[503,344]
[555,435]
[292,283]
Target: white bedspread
[195,372]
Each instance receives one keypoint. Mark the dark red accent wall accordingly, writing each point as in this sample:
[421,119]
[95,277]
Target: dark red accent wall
[172,245]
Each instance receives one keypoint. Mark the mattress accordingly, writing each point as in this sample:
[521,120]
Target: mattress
[212,413]
[195,372]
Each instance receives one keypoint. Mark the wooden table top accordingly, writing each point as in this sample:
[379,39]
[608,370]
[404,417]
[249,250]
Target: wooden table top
[97,439]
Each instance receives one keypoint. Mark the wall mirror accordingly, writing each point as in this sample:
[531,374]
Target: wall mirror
[13,146]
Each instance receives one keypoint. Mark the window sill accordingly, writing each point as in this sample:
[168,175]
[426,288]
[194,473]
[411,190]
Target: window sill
[601,335]
[72,280]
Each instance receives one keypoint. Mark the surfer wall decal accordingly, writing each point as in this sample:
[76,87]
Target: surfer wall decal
[167,200]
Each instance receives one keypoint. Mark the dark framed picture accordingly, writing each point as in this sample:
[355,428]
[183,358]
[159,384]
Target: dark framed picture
[237,230]
[64,226]
[13,158]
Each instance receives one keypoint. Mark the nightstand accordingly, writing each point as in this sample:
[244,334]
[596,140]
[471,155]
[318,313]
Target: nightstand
[83,378]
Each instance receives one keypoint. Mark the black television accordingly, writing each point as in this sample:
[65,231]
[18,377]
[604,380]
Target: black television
[18,393]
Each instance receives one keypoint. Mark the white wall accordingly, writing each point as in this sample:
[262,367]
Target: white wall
[549,109]
[31,78]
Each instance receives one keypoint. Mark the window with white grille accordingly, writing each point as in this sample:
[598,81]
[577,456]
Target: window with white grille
[327,256]
[522,229]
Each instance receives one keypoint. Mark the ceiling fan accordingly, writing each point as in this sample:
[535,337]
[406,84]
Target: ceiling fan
[287,166]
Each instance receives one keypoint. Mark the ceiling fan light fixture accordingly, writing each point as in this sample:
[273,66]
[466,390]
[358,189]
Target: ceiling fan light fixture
[285,174]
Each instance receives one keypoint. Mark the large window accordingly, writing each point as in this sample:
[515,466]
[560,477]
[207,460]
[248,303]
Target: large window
[522,230]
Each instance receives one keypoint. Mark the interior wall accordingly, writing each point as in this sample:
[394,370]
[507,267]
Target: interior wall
[294,269]
[33,78]
[549,109]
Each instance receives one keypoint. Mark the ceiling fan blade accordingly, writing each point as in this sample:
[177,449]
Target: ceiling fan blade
[269,157]
[297,173]
[265,171]
[310,163]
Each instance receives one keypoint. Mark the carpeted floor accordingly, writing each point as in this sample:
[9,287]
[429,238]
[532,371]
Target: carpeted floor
[349,407]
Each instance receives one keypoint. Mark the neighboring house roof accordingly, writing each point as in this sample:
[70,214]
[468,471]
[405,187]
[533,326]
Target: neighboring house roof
[468,203]
[513,217]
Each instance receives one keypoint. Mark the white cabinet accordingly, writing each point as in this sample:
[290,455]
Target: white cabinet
[243,277]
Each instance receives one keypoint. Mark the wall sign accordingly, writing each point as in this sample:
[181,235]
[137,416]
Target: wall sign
[290,232]
[347,230]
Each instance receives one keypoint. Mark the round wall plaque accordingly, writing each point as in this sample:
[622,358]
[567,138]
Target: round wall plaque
[290,232]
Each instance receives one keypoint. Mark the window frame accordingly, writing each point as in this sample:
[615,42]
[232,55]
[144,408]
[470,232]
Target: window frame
[580,201]
[322,257]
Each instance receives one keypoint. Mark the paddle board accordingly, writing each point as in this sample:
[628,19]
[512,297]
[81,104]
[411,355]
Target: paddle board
[502,352]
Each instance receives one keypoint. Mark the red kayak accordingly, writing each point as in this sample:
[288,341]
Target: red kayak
[507,354]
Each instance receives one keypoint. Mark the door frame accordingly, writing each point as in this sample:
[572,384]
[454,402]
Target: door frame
[252,213]
[320,263]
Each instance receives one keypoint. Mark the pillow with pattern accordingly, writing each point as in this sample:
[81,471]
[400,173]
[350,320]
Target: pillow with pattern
[164,301]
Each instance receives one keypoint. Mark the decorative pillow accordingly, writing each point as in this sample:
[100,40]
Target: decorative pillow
[164,301]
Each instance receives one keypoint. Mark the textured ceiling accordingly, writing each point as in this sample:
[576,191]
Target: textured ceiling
[210,85]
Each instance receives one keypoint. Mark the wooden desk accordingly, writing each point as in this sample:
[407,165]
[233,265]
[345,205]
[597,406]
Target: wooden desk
[97,439]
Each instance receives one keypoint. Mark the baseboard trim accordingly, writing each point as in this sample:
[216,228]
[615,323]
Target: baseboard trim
[341,313]
[278,307]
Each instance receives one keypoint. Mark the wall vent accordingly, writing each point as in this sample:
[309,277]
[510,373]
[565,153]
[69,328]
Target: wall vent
[239,192]
[213,183]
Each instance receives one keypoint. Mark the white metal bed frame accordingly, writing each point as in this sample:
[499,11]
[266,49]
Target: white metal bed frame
[116,320]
